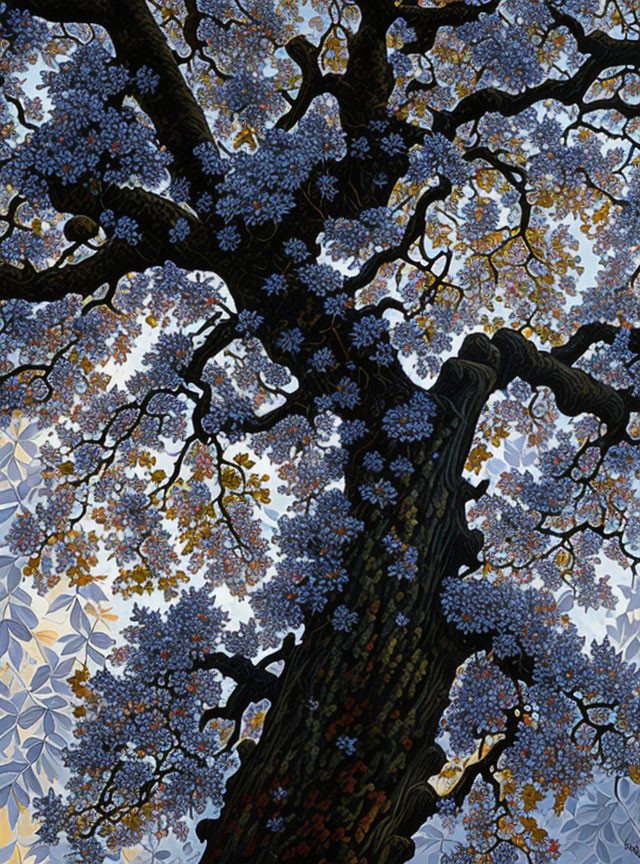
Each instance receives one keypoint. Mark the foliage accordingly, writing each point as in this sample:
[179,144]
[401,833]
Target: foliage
[345,259]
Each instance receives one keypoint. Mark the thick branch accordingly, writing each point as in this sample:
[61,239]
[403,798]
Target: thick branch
[109,264]
[604,53]
[155,217]
[427,21]
[575,391]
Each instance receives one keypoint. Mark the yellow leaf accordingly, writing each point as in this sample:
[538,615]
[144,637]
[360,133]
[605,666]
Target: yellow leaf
[246,136]
[47,637]
[158,476]
[243,459]
[560,800]
[634,773]
[530,797]
[66,468]
[531,826]
[477,456]
[230,479]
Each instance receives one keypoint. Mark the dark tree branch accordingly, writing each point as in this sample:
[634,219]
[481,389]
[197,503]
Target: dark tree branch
[155,217]
[178,118]
[427,21]
[603,51]
[314,83]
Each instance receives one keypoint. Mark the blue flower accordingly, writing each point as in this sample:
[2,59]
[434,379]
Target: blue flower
[322,360]
[401,465]
[275,284]
[368,330]
[336,305]
[346,744]
[327,187]
[228,238]
[275,824]
[296,249]
[407,567]
[360,147]
[290,340]
[393,144]
[209,159]
[127,229]
[248,322]
[179,231]
[381,493]
[410,421]
[373,461]
[147,80]
[205,203]
[351,430]
[343,618]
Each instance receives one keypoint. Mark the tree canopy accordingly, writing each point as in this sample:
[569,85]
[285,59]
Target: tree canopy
[330,306]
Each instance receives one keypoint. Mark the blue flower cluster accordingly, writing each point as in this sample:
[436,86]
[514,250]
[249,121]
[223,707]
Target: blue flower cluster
[127,229]
[290,340]
[143,718]
[248,322]
[410,421]
[311,567]
[179,231]
[506,52]
[204,205]
[326,185]
[393,144]
[343,618]
[346,744]
[147,80]
[84,134]
[401,466]
[479,697]
[360,147]
[352,430]
[275,284]
[345,395]
[381,493]
[322,279]
[376,228]
[228,238]
[368,331]
[407,566]
[209,159]
[322,359]
[437,156]
[373,461]
[296,249]
[171,353]
[260,187]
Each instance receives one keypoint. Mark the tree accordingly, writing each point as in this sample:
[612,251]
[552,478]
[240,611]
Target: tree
[339,239]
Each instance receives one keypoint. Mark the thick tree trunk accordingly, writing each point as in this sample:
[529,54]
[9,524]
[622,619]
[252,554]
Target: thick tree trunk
[382,684]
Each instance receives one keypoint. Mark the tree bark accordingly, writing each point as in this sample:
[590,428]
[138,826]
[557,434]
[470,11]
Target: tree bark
[382,684]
